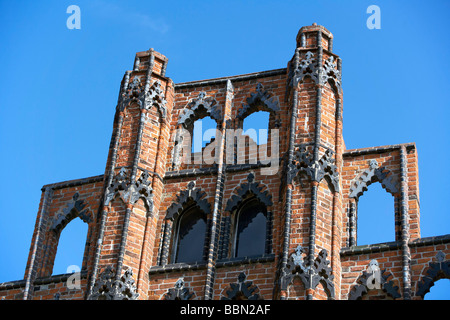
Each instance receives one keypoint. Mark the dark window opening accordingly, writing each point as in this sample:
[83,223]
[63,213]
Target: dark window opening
[251,230]
[190,236]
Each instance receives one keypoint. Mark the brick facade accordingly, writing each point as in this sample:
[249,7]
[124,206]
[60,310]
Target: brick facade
[308,183]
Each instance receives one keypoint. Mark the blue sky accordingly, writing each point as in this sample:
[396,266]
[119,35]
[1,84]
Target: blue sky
[59,87]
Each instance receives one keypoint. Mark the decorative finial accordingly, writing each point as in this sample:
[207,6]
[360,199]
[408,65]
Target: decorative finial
[191,185]
[202,95]
[179,284]
[440,256]
[259,87]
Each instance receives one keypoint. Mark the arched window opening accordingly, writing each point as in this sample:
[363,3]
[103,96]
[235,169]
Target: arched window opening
[204,132]
[251,230]
[189,240]
[256,126]
[375,216]
[71,246]
[440,291]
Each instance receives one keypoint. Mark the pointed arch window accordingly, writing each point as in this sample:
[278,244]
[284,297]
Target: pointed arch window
[203,133]
[71,246]
[375,220]
[254,123]
[378,210]
[186,229]
[198,121]
[189,238]
[251,229]
[70,238]
[247,222]
[256,126]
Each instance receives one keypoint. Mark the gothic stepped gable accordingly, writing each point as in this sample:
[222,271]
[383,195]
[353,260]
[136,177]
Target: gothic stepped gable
[237,220]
